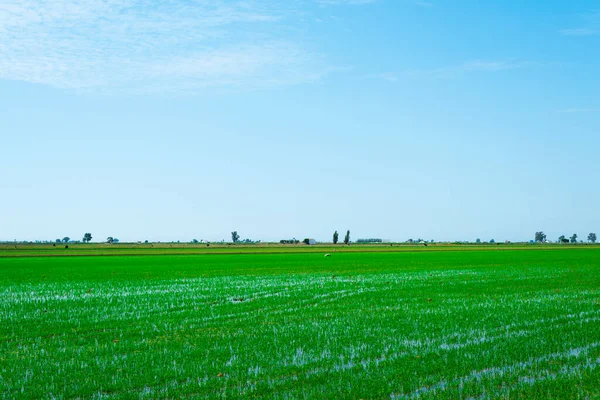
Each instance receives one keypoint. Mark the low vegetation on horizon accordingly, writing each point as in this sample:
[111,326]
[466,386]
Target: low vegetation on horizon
[539,237]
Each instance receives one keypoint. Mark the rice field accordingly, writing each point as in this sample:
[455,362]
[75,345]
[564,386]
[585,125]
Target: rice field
[403,325]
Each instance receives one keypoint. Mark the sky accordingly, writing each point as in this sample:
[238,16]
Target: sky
[188,119]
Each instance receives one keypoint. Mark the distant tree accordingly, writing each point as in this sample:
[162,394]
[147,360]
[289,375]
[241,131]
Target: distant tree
[58,240]
[336,237]
[66,239]
[306,241]
[592,237]
[562,238]
[540,237]
[87,238]
[574,238]
[110,240]
[492,241]
[478,241]
[145,241]
[195,241]
[235,237]
[115,240]
[347,238]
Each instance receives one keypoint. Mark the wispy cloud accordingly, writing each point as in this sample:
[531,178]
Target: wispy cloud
[386,76]
[590,26]
[579,32]
[452,71]
[168,45]
[344,2]
[423,3]
[578,110]
[491,65]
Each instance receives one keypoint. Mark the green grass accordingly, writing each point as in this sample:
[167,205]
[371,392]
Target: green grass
[132,249]
[430,324]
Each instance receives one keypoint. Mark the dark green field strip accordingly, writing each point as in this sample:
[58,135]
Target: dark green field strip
[103,250]
[189,266]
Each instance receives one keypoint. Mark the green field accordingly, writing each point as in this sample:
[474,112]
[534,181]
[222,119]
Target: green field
[432,323]
[155,249]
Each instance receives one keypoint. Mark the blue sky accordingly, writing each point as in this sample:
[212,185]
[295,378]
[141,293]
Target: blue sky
[394,119]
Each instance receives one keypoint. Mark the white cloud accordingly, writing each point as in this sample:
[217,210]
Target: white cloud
[344,2]
[468,67]
[423,4]
[590,26]
[578,110]
[386,76]
[579,32]
[491,65]
[454,71]
[170,45]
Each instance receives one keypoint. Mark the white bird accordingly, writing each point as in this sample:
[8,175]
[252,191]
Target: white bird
[327,255]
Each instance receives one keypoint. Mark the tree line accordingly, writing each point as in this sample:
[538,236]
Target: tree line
[87,238]
[541,237]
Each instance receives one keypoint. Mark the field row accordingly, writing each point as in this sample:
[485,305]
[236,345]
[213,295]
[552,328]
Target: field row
[128,249]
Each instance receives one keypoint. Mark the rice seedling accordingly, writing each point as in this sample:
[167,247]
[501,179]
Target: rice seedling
[402,325]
